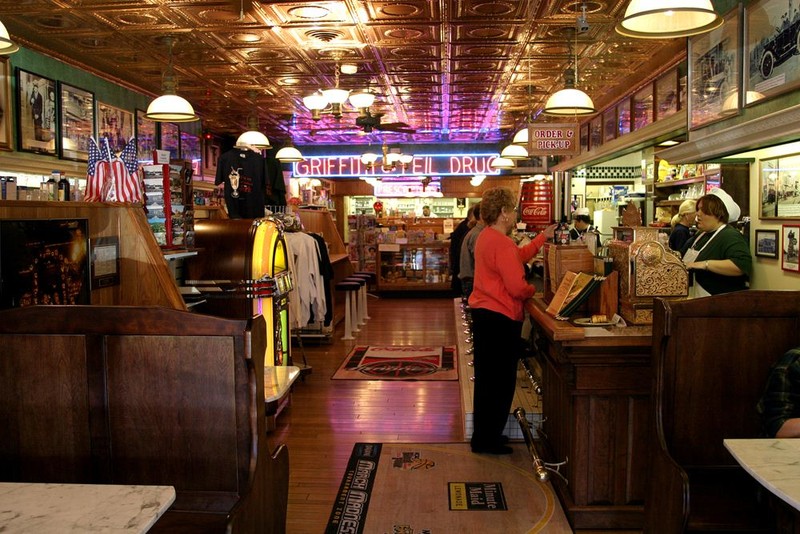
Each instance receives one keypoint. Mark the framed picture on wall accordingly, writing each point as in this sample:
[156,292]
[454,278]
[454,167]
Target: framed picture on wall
[789,254]
[667,95]
[171,139]
[76,121]
[624,117]
[5,105]
[146,138]
[114,124]
[714,73]
[609,125]
[36,113]
[767,243]
[772,63]
[584,137]
[643,107]
[779,187]
[596,131]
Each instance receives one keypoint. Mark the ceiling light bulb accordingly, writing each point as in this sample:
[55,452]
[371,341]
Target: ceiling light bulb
[405,159]
[521,137]
[392,158]
[170,108]
[660,19]
[253,138]
[335,95]
[362,99]
[477,180]
[500,163]
[289,154]
[368,158]
[349,68]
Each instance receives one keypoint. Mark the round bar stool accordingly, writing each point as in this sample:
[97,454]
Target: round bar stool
[369,275]
[363,293]
[358,301]
[349,288]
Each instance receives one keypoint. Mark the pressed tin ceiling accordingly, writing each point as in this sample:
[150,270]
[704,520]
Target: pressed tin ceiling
[457,71]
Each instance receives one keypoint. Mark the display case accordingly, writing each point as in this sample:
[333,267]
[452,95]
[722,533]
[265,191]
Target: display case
[414,266]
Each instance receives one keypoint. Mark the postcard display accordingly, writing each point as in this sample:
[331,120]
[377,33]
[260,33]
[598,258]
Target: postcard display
[362,246]
[168,204]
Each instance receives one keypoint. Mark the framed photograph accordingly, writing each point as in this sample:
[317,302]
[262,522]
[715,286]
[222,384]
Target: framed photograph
[666,96]
[624,117]
[772,63]
[5,105]
[643,107]
[191,151]
[114,124]
[146,138]
[789,259]
[76,120]
[609,125]
[36,113]
[596,132]
[713,73]
[584,137]
[171,139]
[105,261]
[779,187]
[767,243]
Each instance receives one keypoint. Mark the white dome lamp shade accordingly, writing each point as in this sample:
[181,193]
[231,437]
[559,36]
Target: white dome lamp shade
[664,19]
[169,107]
[514,152]
[501,163]
[6,45]
[289,154]
[253,138]
[521,137]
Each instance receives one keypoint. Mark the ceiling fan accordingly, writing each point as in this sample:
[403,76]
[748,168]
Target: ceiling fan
[372,121]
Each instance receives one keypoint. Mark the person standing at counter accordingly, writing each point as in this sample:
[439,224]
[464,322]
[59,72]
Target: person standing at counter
[456,239]
[581,223]
[466,256]
[718,254]
[681,224]
[499,291]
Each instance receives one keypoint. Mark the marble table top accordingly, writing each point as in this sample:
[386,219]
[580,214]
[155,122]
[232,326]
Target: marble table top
[775,463]
[278,379]
[65,508]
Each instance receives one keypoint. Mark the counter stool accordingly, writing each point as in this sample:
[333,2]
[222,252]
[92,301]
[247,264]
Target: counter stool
[349,288]
[359,301]
[367,277]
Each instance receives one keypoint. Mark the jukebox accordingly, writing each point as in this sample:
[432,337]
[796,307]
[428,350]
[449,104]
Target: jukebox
[242,270]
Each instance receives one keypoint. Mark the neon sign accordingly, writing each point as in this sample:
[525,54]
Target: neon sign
[422,164]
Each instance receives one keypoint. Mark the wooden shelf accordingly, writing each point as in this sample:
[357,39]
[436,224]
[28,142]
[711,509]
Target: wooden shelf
[686,181]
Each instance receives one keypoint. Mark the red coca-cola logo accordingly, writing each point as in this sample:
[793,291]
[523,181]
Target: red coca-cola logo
[535,212]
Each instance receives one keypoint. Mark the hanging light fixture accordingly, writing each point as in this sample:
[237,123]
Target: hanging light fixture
[514,152]
[170,107]
[6,45]
[331,101]
[253,137]
[663,19]
[289,153]
[502,163]
[389,161]
[477,180]
[570,100]
[521,137]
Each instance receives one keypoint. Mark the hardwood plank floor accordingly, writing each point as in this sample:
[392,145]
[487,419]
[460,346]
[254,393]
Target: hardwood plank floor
[327,416]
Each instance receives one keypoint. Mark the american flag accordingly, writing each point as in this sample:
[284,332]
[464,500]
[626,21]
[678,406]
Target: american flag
[94,183]
[128,156]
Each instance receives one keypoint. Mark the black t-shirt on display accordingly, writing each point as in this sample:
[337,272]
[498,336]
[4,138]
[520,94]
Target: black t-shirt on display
[249,204]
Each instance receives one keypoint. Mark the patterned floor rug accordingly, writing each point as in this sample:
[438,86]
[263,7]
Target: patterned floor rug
[370,362]
[443,487]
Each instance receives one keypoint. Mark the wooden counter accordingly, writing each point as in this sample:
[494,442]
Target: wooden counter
[596,402]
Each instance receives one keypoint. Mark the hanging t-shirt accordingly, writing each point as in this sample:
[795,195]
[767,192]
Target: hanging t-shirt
[243,172]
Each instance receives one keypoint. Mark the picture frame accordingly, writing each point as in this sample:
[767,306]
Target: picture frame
[584,137]
[146,137]
[767,243]
[76,122]
[779,187]
[170,139]
[192,151]
[105,261]
[596,131]
[609,125]
[114,124]
[666,95]
[6,142]
[714,65]
[789,247]
[643,110]
[37,113]
[624,117]
[772,63]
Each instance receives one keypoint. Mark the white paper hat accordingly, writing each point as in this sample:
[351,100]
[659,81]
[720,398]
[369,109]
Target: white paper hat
[733,208]
[580,211]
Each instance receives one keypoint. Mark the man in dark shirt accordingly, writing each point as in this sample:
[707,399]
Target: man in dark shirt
[779,407]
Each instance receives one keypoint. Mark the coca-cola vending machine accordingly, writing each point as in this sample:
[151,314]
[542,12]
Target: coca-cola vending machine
[536,204]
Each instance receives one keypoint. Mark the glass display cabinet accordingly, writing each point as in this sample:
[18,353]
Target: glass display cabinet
[414,266]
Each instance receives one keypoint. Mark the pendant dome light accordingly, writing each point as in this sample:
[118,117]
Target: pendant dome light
[663,19]
[289,153]
[170,107]
[7,46]
[570,101]
[502,163]
[514,152]
[253,137]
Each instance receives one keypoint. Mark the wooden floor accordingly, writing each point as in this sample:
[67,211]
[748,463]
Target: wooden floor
[327,417]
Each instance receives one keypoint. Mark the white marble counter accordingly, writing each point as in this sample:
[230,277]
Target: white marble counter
[65,508]
[775,463]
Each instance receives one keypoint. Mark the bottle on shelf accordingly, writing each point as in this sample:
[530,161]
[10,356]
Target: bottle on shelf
[63,188]
[51,186]
[561,234]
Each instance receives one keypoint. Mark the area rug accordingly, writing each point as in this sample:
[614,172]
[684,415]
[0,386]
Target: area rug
[399,363]
[442,488]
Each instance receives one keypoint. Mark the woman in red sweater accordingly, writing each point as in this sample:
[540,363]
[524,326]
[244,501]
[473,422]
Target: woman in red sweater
[499,291]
